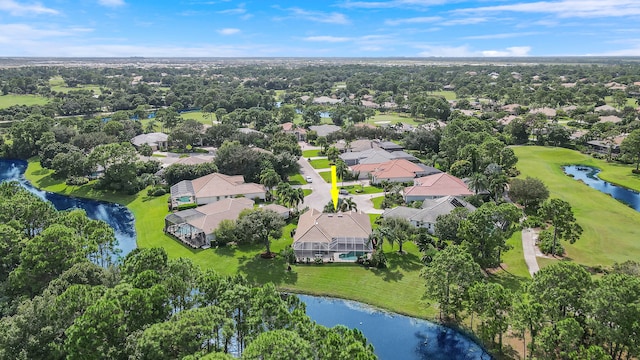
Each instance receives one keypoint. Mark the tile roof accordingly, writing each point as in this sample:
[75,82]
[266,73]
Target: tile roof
[315,226]
[151,138]
[398,168]
[436,185]
[217,184]
[430,209]
[214,213]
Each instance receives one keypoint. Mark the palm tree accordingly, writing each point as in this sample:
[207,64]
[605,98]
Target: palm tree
[269,178]
[342,170]
[347,204]
[478,181]
[297,197]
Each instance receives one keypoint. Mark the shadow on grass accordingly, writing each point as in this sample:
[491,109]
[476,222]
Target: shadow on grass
[507,280]
[405,261]
[388,275]
[260,271]
[226,251]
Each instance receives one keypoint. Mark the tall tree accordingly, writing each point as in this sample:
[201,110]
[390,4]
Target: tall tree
[448,278]
[529,192]
[260,226]
[397,230]
[560,215]
[631,145]
[269,178]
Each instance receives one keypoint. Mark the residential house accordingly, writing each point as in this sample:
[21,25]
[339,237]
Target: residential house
[610,118]
[195,227]
[398,170]
[435,186]
[324,130]
[332,236]
[298,132]
[157,140]
[546,111]
[605,108]
[607,146]
[214,187]
[427,215]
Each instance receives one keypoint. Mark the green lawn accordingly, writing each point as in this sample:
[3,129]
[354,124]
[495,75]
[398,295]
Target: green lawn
[377,202]
[398,288]
[609,232]
[310,153]
[630,101]
[320,163]
[307,192]
[514,269]
[10,100]
[326,176]
[199,117]
[449,95]
[58,84]
[358,190]
[297,179]
[392,118]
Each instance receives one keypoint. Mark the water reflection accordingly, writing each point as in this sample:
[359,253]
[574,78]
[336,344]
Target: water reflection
[589,176]
[116,215]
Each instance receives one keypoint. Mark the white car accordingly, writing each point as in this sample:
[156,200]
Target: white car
[309,179]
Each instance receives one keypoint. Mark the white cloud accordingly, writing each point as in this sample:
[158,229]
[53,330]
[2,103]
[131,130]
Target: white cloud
[17,9]
[414,20]
[394,4]
[466,21]
[235,11]
[499,36]
[466,51]
[111,3]
[10,33]
[567,8]
[228,31]
[318,16]
[508,52]
[330,39]
[445,51]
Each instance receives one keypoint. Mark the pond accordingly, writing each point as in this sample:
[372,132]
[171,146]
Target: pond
[117,216]
[393,336]
[589,176]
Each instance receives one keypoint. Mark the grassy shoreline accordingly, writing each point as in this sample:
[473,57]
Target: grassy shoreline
[399,288]
[609,235]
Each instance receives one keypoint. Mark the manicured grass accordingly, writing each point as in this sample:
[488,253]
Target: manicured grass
[630,101]
[326,176]
[377,202]
[58,84]
[514,269]
[449,95]
[10,100]
[392,118]
[199,116]
[311,153]
[609,232]
[358,190]
[307,192]
[398,288]
[320,163]
[297,179]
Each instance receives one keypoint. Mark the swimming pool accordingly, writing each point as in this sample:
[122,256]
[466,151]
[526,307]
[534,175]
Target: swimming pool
[351,255]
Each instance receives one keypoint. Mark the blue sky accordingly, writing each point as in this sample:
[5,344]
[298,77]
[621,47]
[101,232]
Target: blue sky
[331,28]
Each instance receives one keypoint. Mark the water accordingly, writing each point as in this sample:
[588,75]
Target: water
[590,177]
[117,216]
[394,336]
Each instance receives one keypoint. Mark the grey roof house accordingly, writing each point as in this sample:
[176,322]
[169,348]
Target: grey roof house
[427,215]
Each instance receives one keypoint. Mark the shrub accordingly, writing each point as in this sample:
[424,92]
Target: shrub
[533,221]
[288,254]
[187,206]
[156,191]
[635,171]
[545,243]
[378,260]
[77,180]
[318,261]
